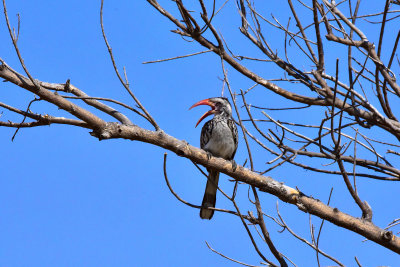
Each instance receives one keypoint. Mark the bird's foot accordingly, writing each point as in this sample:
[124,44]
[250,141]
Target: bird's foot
[234,165]
[209,155]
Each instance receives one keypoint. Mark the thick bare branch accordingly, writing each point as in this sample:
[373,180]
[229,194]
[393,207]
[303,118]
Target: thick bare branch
[264,183]
[10,75]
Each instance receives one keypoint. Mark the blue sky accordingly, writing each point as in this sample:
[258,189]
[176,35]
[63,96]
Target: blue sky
[69,200]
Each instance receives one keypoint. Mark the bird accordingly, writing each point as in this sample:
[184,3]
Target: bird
[219,138]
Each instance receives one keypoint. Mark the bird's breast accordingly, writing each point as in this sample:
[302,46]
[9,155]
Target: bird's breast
[221,142]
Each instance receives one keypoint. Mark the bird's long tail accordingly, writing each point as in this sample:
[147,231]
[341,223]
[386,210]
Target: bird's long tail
[210,195]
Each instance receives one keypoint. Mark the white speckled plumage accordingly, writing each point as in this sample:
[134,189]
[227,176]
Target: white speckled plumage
[219,137]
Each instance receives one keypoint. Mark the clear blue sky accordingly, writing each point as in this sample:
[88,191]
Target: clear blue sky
[67,199]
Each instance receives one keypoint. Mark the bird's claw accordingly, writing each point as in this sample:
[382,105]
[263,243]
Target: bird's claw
[209,155]
[234,165]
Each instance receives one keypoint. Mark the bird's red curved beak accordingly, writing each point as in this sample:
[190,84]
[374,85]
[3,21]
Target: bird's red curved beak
[208,113]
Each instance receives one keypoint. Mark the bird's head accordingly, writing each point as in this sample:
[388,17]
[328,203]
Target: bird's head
[219,106]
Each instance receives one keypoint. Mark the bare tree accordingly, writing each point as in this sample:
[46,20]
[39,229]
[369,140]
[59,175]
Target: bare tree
[328,67]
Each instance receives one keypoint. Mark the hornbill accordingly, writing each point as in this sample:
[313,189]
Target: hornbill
[219,137]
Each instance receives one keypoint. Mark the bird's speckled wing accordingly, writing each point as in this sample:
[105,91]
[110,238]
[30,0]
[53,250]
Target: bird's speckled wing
[206,133]
[232,126]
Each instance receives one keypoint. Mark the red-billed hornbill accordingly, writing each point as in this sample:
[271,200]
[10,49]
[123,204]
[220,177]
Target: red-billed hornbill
[219,137]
